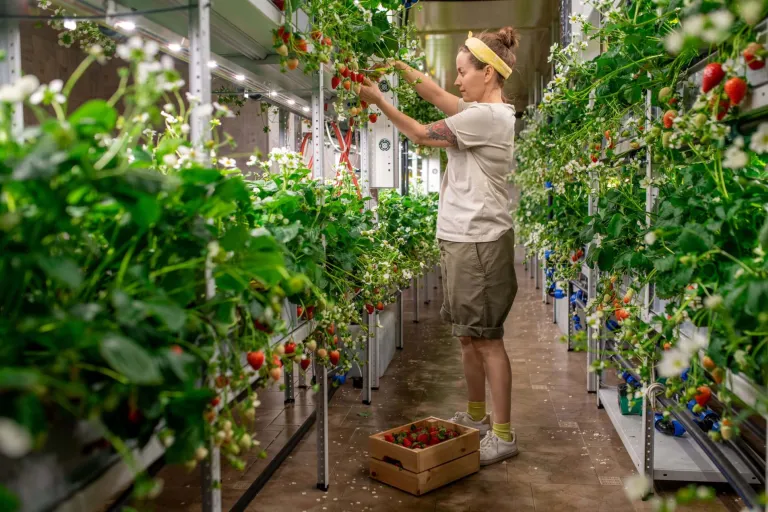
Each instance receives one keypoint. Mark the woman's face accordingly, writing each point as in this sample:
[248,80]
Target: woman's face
[471,81]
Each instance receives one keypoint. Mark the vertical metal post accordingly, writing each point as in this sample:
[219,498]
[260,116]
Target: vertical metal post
[374,343]
[399,325]
[570,331]
[649,195]
[415,287]
[10,67]
[425,285]
[321,406]
[593,339]
[283,127]
[648,441]
[288,376]
[318,127]
[200,86]
[368,370]
[537,271]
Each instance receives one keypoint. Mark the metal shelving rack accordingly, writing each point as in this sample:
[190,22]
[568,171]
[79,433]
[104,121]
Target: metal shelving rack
[694,457]
[236,35]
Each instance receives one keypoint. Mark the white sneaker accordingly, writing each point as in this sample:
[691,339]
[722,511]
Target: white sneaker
[463,418]
[493,449]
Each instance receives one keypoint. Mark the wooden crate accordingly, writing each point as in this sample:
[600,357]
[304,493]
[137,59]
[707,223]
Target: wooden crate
[422,470]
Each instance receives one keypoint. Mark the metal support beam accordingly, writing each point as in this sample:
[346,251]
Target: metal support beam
[373,342]
[415,288]
[399,323]
[321,408]
[647,435]
[318,127]
[288,376]
[368,367]
[10,67]
[425,285]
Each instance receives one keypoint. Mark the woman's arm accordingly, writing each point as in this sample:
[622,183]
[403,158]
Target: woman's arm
[429,90]
[436,135]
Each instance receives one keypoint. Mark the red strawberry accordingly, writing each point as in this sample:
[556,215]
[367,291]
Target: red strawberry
[754,56]
[284,34]
[305,363]
[736,89]
[134,415]
[347,85]
[713,75]
[310,312]
[593,158]
[345,72]
[433,441]
[373,118]
[380,306]
[703,395]
[221,381]
[407,442]
[669,118]
[261,327]
[331,329]
[299,311]
[422,438]
[360,78]
[432,429]
[301,45]
[216,401]
[335,81]
[363,104]
[290,347]
[389,438]
[334,356]
[255,359]
[317,35]
[327,41]
[335,341]
[598,147]
[177,349]
[276,361]
[369,308]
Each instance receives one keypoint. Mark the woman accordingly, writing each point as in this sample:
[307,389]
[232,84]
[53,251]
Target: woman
[474,225]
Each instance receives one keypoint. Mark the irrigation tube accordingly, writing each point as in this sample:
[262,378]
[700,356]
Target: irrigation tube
[728,470]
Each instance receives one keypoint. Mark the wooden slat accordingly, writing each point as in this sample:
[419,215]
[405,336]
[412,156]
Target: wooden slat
[426,481]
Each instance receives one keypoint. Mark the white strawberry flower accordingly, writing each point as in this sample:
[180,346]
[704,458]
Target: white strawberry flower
[759,141]
[673,362]
[735,158]
[15,441]
[751,10]
[48,94]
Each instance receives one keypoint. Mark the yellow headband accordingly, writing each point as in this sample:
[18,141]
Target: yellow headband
[484,54]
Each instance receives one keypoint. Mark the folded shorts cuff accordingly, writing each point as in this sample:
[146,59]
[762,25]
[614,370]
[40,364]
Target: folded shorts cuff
[473,331]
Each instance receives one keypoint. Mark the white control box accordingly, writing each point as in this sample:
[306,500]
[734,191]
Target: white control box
[385,144]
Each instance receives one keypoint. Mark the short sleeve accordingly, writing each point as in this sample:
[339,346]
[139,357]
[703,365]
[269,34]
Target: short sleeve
[470,125]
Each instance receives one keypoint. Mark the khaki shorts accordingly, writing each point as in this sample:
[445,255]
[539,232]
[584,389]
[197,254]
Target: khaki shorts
[479,285]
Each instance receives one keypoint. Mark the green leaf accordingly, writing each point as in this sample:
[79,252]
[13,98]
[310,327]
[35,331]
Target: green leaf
[146,211]
[95,116]
[606,259]
[9,502]
[763,236]
[169,313]
[616,225]
[130,359]
[235,239]
[665,264]
[63,270]
[692,241]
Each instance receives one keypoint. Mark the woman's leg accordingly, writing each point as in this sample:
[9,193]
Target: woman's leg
[474,372]
[499,373]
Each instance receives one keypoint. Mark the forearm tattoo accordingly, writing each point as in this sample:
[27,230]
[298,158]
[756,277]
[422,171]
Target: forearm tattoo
[440,131]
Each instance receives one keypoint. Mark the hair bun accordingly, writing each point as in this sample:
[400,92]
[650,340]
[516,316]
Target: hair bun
[509,37]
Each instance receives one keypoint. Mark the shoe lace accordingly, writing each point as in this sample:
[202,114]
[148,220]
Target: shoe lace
[488,440]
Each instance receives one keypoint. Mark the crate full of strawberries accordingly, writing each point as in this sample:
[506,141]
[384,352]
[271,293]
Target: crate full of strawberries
[424,455]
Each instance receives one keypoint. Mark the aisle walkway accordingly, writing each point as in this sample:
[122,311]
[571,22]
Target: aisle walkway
[570,458]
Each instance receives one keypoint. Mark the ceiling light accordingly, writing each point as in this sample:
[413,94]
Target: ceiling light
[212,64]
[239,78]
[245,94]
[273,94]
[70,24]
[305,109]
[126,25]
[291,102]
[174,47]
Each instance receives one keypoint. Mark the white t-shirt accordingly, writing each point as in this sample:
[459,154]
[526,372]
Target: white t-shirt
[474,203]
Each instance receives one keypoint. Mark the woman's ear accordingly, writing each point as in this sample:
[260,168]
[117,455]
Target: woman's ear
[489,72]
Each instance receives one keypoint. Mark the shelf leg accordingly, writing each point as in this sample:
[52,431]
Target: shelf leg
[648,441]
[399,323]
[303,377]
[368,369]
[415,287]
[288,376]
[321,406]
[425,284]
[374,344]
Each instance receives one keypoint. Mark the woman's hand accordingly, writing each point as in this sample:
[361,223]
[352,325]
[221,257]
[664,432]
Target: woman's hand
[370,93]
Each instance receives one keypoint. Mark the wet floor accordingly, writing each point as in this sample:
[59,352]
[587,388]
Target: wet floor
[571,458]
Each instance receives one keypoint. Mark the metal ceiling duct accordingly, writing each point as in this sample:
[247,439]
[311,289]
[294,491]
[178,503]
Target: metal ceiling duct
[443,27]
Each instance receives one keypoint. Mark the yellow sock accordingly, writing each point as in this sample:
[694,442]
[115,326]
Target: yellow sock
[476,410]
[502,431]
